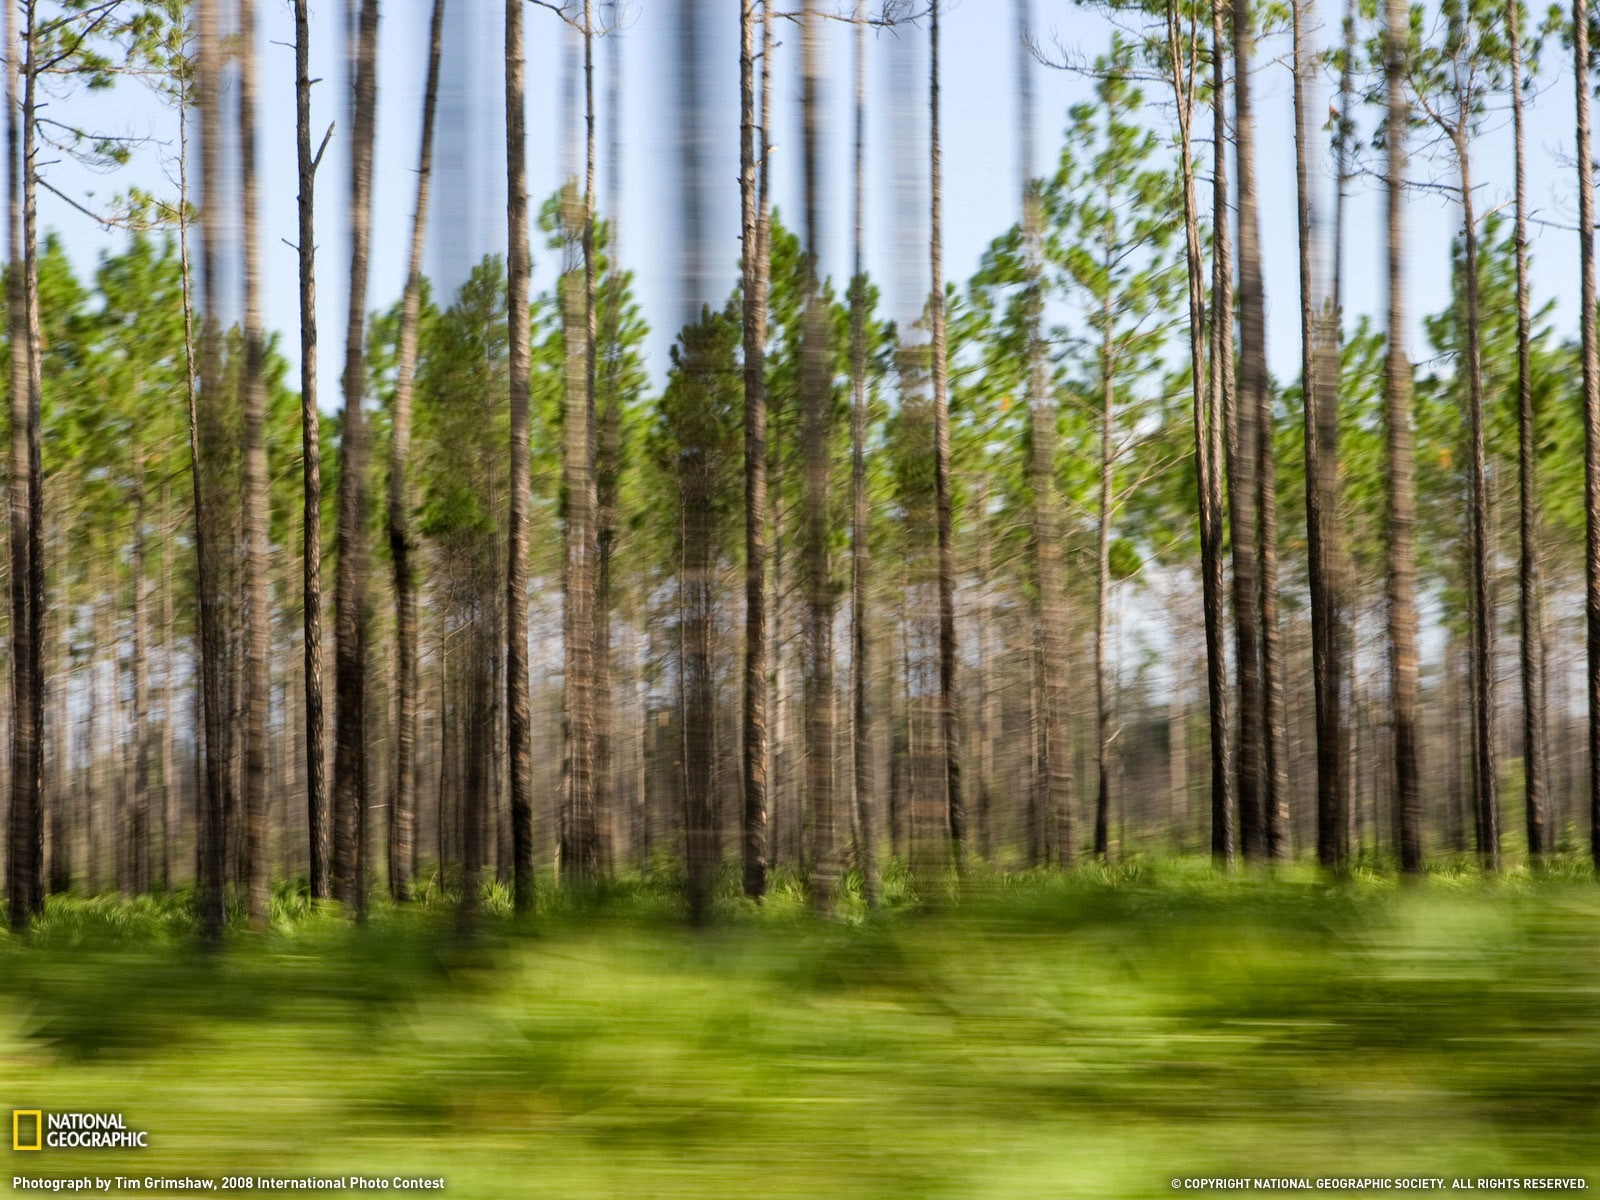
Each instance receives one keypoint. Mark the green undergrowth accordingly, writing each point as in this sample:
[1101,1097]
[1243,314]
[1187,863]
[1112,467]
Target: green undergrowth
[1005,1035]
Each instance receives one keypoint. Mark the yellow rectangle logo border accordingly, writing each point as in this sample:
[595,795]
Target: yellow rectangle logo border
[16,1128]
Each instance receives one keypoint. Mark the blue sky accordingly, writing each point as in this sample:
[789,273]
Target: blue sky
[981,171]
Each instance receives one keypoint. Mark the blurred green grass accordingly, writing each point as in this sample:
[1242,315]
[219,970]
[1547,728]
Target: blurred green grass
[1097,1034]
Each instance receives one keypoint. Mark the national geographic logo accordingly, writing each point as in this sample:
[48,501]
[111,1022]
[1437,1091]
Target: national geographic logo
[19,1119]
[33,1129]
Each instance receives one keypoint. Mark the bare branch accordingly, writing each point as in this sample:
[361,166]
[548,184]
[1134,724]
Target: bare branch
[317,161]
[101,219]
[571,21]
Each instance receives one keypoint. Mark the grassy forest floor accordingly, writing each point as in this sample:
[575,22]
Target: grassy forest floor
[1094,1035]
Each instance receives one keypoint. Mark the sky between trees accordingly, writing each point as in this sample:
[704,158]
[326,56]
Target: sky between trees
[980,110]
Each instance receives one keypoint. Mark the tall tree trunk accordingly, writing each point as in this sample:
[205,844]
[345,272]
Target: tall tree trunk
[233,657]
[860,553]
[1275,831]
[139,808]
[1320,396]
[234,843]
[1450,749]
[1591,408]
[753,223]
[608,469]
[200,763]
[38,600]
[403,794]
[949,713]
[907,770]
[1530,592]
[101,739]
[1259,486]
[350,701]
[258,611]
[817,405]
[697,664]
[579,849]
[1345,130]
[57,793]
[1402,565]
[1055,804]
[518,722]
[782,784]
[203,439]
[586,808]
[1206,420]
[1102,587]
[1346,599]
[990,630]
[23,809]
[1178,762]
[446,759]
[311,449]
[25,842]
[169,695]
[1486,771]
[1240,453]
[479,688]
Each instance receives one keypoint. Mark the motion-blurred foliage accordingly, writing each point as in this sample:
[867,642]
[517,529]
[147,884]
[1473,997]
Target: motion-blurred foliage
[1093,1035]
